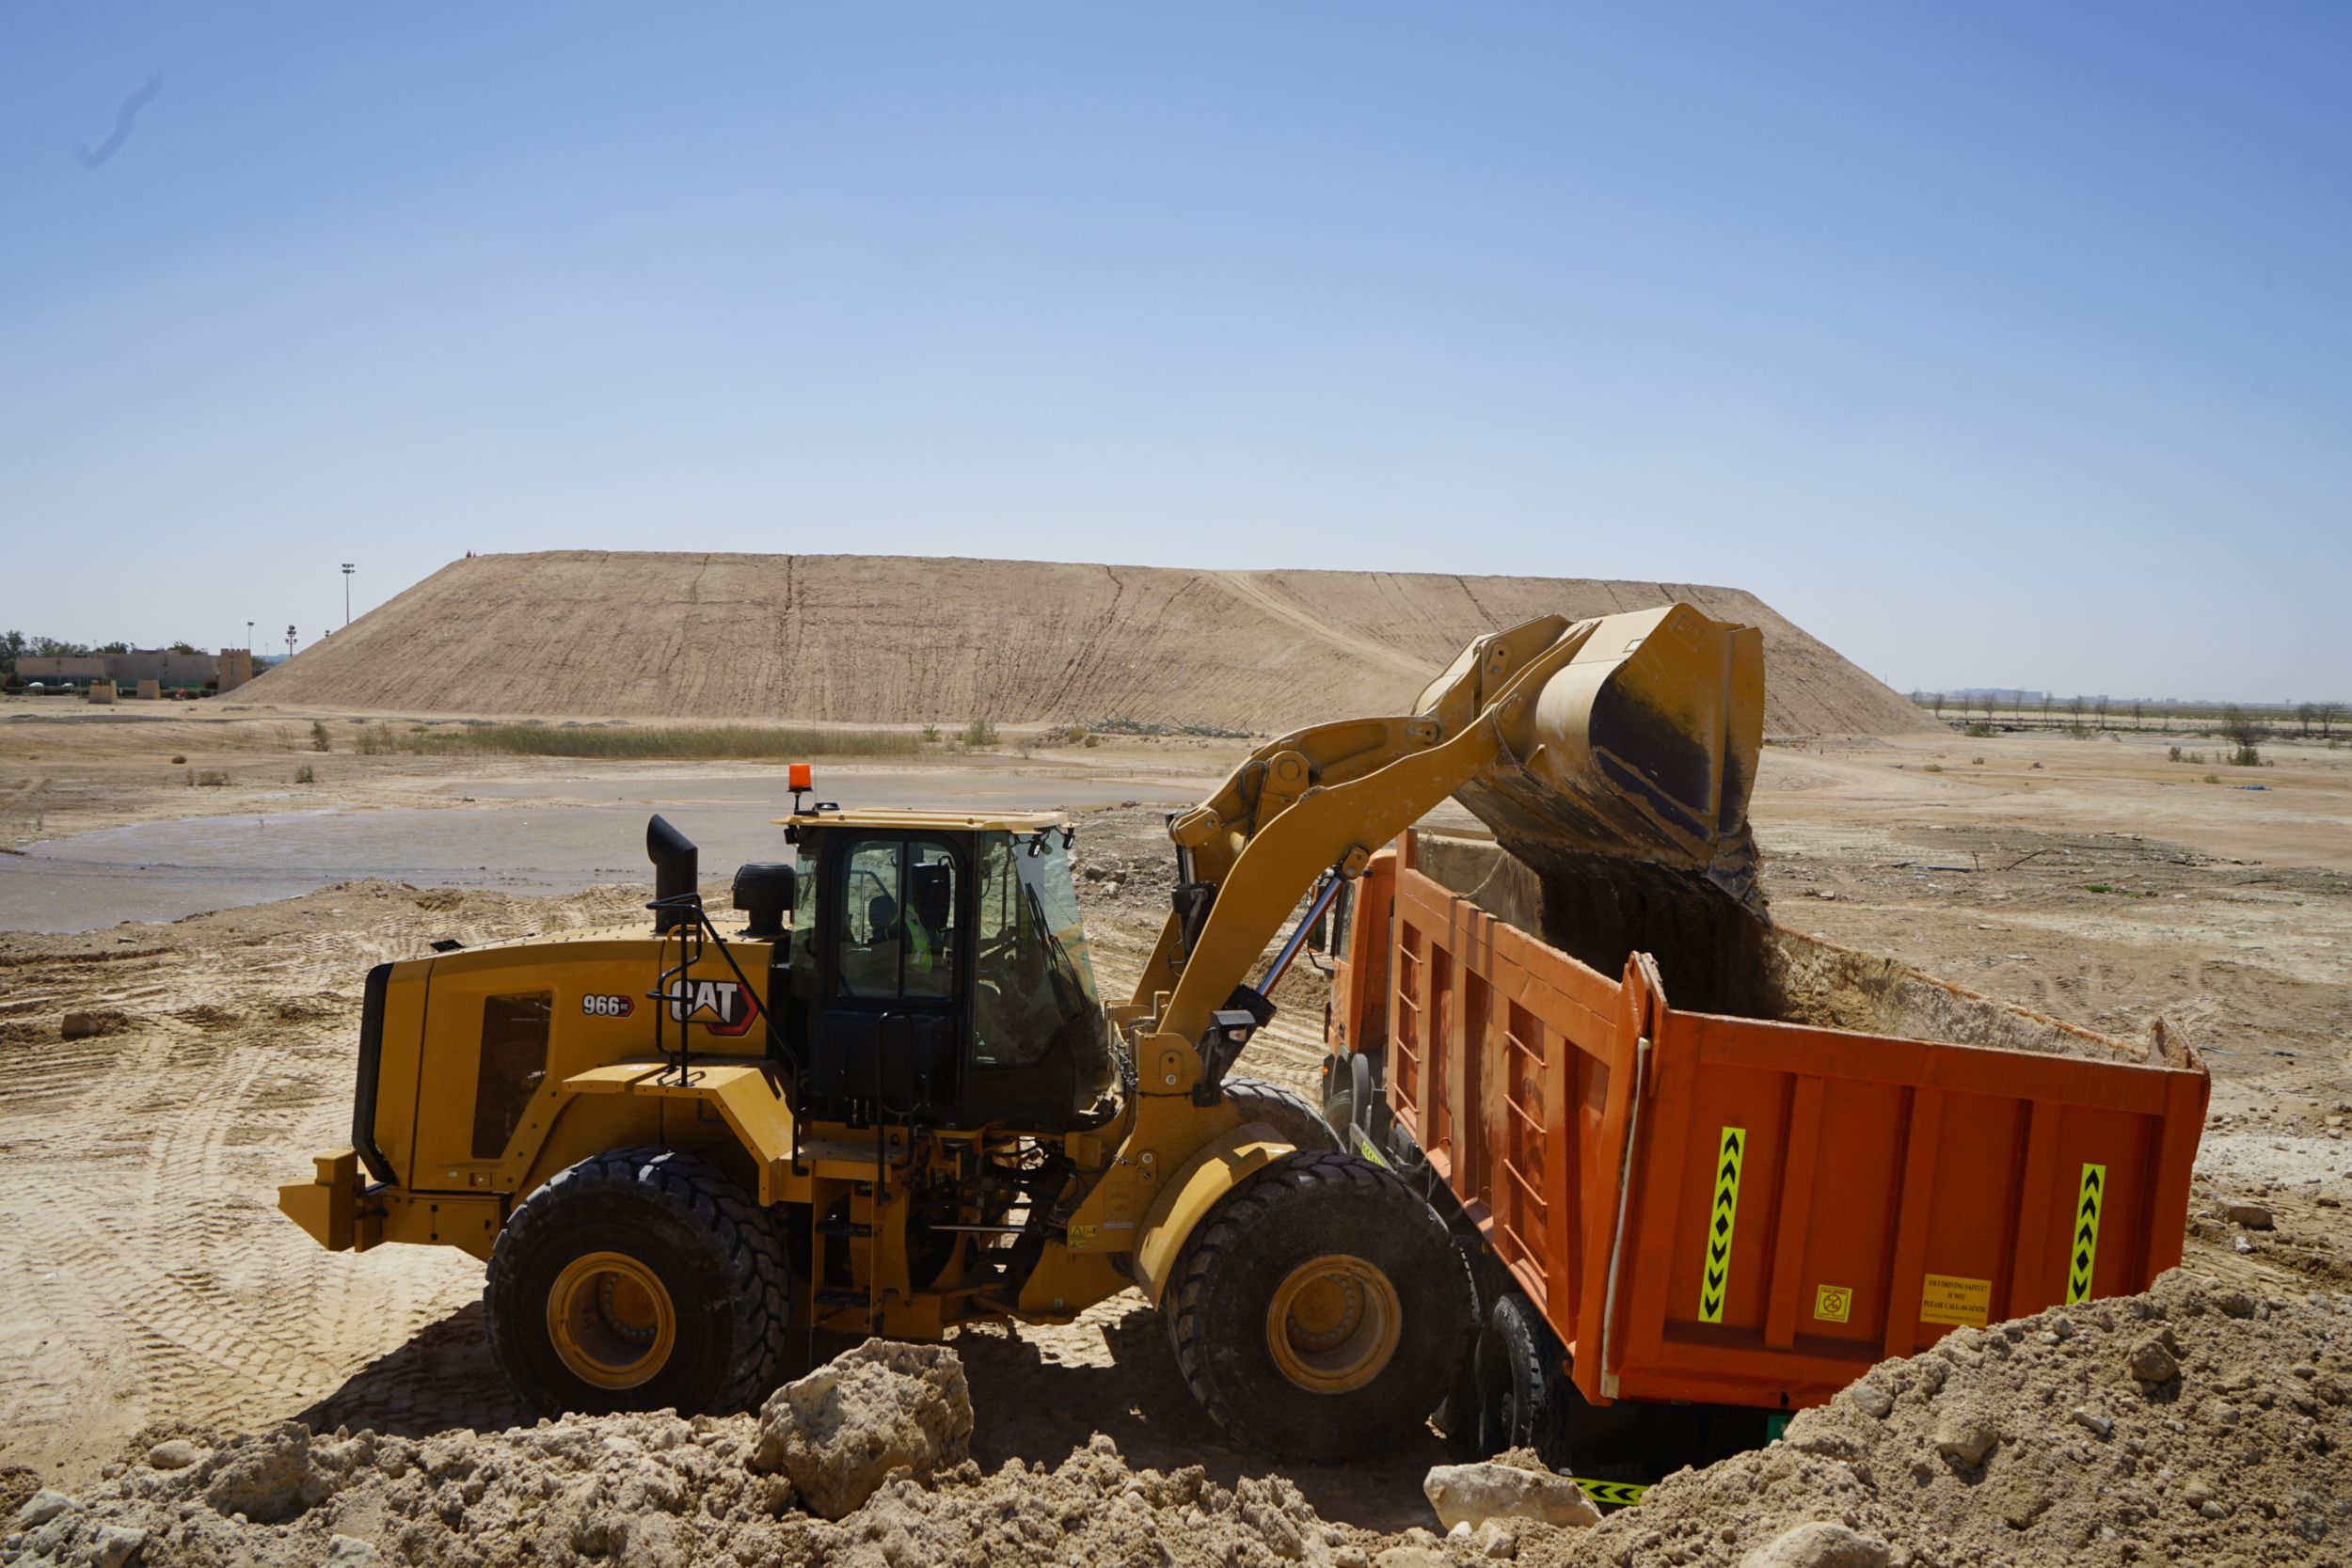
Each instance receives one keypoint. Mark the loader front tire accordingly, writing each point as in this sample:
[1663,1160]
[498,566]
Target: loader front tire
[1290,1115]
[1317,1310]
[638,1280]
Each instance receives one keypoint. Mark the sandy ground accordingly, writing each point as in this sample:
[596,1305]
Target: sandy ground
[154,1285]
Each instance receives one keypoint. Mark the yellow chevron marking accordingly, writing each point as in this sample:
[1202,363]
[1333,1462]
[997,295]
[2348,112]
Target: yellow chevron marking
[1715,1268]
[2082,1247]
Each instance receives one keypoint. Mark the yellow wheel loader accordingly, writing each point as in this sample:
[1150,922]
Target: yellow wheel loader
[892,1102]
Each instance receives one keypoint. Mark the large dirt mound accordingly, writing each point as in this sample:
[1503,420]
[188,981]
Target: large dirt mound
[910,640]
[2195,1424]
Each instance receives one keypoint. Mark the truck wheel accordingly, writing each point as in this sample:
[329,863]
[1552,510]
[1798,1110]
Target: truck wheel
[1458,1418]
[1317,1310]
[638,1280]
[1519,1371]
[1356,1105]
[1288,1114]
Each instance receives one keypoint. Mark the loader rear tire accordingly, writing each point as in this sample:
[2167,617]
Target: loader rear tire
[638,1280]
[1317,1310]
[1290,1115]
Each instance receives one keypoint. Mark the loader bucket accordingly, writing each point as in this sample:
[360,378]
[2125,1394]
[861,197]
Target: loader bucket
[1637,759]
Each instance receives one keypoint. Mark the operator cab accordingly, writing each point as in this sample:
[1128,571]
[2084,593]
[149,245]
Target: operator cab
[938,973]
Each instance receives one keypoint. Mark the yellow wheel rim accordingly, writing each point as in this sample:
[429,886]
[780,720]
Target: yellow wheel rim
[1333,1323]
[611,1319]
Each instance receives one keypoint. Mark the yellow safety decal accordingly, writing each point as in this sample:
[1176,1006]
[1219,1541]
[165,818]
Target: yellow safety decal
[1833,1303]
[1720,1214]
[2084,1249]
[1081,1237]
[1370,1151]
[1614,1494]
[1952,1299]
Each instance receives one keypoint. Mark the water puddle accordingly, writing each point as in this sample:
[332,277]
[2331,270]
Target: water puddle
[594,832]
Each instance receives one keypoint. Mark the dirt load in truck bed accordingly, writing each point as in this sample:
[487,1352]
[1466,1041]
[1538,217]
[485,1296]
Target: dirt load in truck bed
[1717,956]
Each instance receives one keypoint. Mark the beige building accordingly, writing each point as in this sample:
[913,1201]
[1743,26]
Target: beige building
[159,665]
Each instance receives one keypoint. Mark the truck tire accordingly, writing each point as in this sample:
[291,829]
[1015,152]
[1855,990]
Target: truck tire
[1519,1361]
[1289,1114]
[1457,1420]
[641,1279]
[1317,1310]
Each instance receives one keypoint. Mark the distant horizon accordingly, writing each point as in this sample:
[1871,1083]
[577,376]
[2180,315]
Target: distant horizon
[2032,695]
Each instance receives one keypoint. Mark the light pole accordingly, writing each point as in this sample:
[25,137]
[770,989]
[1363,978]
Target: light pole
[290,639]
[248,637]
[346,592]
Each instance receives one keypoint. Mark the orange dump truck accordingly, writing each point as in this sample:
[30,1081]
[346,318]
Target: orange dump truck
[1680,1219]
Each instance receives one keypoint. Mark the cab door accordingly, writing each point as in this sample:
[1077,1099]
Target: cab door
[894,976]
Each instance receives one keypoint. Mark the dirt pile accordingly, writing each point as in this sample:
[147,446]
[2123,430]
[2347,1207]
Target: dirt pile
[2195,1424]
[909,640]
[654,1491]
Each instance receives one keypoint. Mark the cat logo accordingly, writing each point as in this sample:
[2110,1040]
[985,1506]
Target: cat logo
[723,1006]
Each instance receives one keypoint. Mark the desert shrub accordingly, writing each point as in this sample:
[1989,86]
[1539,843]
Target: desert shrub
[690,742]
[319,741]
[2174,752]
[306,774]
[2212,778]
[930,735]
[211,781]
[177,761]
[1932,767]
[980,732]
[2245,734]
[1977,728]
[1975,762]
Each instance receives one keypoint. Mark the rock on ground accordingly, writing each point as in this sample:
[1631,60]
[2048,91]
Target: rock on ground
[1473,1494]
[841,1430]
[1819,1546]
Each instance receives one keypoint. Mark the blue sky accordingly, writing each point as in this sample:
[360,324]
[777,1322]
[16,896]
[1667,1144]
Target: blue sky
[1994,344]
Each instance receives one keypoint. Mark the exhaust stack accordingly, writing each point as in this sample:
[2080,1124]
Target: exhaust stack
[677,871]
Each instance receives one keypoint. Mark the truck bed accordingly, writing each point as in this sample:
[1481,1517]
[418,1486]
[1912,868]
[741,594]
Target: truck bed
[1835,1159]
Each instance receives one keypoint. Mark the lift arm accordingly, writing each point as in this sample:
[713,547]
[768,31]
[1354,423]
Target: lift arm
[1631,738]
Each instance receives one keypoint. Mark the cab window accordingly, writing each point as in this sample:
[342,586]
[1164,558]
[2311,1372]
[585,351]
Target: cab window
[1035,975]
[900,931]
